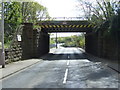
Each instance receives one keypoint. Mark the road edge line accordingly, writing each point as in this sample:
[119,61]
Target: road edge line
[18,70]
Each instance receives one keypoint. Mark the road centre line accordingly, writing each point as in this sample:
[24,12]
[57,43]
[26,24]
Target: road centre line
[68,56]
[65,77]
[68,62]
[66,72]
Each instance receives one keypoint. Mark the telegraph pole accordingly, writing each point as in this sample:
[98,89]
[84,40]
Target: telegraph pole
[2,28]
[56,40]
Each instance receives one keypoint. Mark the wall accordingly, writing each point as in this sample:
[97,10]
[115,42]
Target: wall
[34,44]
[107,47]
[43,45]
[111,46]
[14,53]
[27,41]
[91,43]
[40,43]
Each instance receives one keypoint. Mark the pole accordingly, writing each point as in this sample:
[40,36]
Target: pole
[56,40]
[2,28]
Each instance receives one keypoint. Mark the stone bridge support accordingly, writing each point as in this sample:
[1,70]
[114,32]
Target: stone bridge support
[27,41]
[91,43]
[35,43]
[43,43]
[103,46]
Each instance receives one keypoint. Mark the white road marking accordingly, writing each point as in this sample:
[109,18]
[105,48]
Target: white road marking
[65,77]
[68,56]
[68,62]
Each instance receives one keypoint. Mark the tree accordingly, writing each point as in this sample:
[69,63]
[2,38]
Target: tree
[21,12]
[101,11]
[33,12]
[73,41]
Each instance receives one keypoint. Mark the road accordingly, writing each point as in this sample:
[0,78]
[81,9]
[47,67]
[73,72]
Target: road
[64,68]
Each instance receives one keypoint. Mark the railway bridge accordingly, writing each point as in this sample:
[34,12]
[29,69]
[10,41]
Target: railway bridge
[33,43]
[40,38]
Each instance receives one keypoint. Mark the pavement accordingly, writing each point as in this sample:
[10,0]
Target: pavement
[15,67]
[20,65]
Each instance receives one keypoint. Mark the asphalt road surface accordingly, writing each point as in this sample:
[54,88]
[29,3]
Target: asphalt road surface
[64,68]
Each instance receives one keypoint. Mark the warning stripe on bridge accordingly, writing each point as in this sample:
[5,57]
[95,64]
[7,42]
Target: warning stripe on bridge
[57,26]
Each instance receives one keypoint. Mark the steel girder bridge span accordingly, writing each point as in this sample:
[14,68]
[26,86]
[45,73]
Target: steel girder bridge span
[66,26]
[60,26]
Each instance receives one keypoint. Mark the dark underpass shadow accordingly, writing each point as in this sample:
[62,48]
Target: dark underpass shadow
[51,56]
[74,56]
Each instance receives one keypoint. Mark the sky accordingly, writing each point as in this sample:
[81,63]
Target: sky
[61,8]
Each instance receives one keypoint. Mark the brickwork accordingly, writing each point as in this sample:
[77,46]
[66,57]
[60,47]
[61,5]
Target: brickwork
[91,43]
[34,44]
[27,41]
[14,53]
[111,47]
[43,45]
[107,47]
[36,36]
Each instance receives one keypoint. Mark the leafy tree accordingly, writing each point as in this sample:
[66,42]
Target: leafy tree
[73,41]
[100,12]
[21,12]
[33,12]
[52,41]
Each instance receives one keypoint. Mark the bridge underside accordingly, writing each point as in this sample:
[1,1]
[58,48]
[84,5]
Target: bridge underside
[36,42]
[66,26]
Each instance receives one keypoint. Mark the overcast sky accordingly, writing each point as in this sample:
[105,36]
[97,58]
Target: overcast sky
[61,8]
